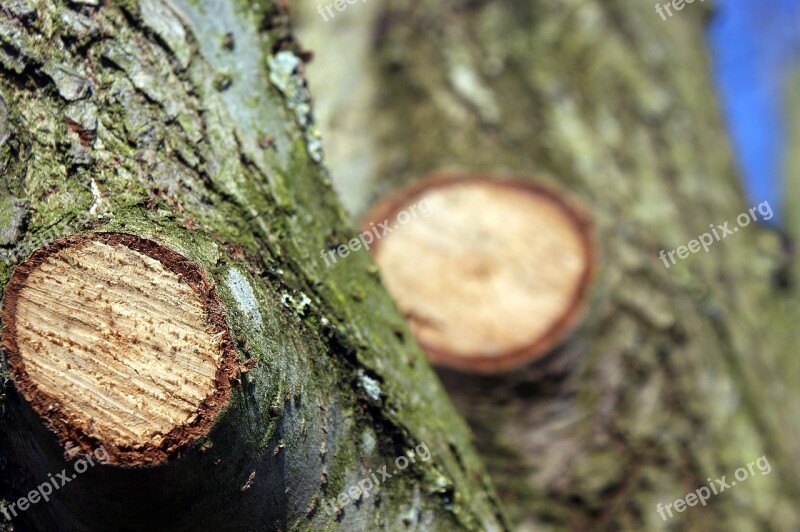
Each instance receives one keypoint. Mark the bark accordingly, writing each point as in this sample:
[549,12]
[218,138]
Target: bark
[189,124]
[676,375]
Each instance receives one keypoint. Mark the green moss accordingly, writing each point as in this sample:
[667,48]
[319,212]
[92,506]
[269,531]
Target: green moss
[176,160]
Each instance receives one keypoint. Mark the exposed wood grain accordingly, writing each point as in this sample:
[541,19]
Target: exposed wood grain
[115,347]
[491,275]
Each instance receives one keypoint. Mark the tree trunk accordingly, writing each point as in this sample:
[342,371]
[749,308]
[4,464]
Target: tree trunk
[680,374]
[180,135]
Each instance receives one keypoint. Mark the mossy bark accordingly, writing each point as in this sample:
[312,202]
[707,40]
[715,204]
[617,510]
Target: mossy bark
[678,374]
[189,123]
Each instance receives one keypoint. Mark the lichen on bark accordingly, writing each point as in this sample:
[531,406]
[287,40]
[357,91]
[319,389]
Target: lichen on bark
[187,123]
[678,374]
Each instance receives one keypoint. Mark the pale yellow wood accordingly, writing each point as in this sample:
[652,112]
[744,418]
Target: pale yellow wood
[123,343]
[490,271]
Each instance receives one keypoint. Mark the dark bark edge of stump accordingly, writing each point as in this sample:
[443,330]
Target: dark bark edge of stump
[389,207]
[180,436]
